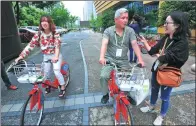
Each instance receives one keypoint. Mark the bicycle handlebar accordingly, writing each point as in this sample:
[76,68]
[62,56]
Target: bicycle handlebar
[113,64]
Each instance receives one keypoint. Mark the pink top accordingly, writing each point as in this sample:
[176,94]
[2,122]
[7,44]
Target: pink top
[46,43]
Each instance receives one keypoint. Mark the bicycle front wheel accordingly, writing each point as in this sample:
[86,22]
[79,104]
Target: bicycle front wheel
[129,122]
[32,117]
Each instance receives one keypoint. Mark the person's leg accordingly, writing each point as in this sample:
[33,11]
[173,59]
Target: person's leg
[165,96]
[154,89]
[154,94]
[104,77]
[59,75]
[47,72]
[4,75]
[5,78]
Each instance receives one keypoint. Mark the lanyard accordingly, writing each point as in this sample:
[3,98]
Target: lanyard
[122,39]
[163,49]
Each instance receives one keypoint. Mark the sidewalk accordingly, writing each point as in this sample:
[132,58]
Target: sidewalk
[86,109]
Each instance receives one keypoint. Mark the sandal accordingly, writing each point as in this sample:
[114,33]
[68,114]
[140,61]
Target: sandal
[47,90]
[62,93]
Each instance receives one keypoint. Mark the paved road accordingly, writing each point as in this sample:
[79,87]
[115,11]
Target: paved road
[82,102]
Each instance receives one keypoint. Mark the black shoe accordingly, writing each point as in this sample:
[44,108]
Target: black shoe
[105,99]
[130,99]
[62,93]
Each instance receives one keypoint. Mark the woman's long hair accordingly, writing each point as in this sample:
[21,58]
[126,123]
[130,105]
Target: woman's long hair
[50,21]
[181,19]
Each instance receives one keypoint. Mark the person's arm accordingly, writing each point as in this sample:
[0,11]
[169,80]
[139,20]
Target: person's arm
[137,51]
[135,46]
[155,49]
[104,46]
[103,51]
[31,45]
[57,47]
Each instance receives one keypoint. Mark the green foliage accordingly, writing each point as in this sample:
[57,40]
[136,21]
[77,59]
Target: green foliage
[96,23]
[72,19]
[92,21]
[30,16]
[60,15]
[108,18]
[151,18]
[30,13]
[45,4]
[185,6]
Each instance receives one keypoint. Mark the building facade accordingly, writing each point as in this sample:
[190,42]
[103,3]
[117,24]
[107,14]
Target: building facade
[147,6]
[88,10]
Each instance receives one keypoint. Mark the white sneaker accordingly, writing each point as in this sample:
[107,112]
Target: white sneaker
[158,121]
[147,109]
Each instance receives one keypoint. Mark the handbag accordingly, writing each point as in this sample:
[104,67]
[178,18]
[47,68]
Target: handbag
[169,76]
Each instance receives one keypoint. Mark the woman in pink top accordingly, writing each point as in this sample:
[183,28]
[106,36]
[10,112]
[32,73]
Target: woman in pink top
[49,42]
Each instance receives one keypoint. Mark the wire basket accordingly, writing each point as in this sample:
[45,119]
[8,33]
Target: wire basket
[28,72]
[136,77]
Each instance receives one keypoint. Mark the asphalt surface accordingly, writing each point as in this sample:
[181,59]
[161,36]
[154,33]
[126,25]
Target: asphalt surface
[181,112]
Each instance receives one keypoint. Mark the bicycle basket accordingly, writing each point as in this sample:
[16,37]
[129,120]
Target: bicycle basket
[28,72]
[136,82]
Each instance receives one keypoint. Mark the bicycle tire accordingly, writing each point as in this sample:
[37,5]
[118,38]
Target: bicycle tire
[130,118]
[23,120]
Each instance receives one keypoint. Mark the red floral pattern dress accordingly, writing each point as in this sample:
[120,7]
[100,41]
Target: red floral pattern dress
[47,43]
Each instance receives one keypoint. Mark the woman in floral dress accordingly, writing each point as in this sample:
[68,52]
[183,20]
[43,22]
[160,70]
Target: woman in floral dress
[49,42]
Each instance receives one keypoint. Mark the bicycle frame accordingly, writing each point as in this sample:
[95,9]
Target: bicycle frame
[37,97]
[120,98]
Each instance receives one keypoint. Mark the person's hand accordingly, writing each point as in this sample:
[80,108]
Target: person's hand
[142,63]
[102,61]
[142,39]
[55,59]
[19,58]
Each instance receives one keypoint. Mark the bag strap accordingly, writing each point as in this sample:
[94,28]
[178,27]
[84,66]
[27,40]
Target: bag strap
[163,49]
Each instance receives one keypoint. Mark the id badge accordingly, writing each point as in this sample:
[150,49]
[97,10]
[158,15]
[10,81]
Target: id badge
[118,52]
[156,65]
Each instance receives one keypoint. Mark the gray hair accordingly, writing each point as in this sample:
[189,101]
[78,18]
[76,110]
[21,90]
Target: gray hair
[120,11]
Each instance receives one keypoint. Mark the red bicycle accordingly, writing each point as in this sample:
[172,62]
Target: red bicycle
[29,72]
[124,84]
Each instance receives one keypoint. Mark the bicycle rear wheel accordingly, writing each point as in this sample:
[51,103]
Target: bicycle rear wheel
[32,117]
[129,122]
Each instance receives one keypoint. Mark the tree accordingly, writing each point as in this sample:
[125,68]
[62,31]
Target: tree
[108,18]
[151,18]
[39,4]
[30,16]
[96,23]
[45,4]
[188,7]
[60,15]
[92,21]
[72,20]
